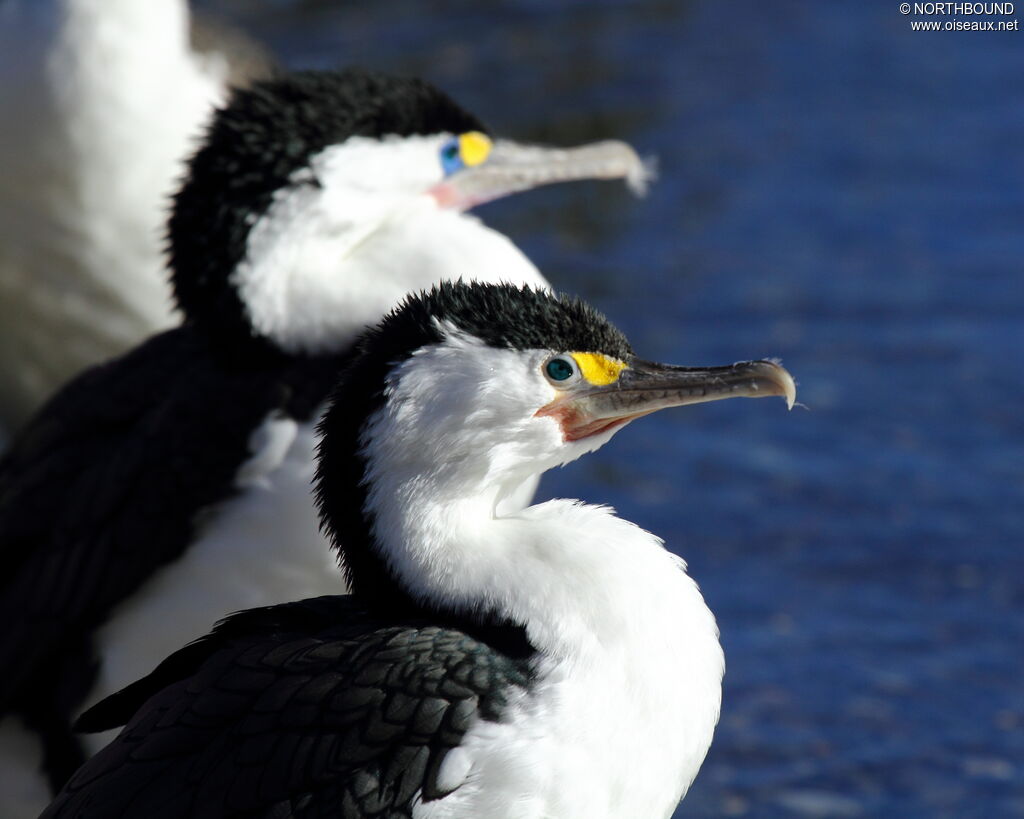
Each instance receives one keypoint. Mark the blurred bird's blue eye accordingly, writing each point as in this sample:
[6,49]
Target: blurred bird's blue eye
[560,369]
[451,157]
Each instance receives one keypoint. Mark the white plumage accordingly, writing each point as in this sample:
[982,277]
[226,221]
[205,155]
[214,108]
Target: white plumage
[101,102]
[328,259]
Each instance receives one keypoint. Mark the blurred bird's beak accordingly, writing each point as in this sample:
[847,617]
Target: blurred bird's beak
[644,387]
[511,167]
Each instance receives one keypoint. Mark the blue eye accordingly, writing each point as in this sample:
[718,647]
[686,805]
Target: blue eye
[451,157]
[560,369]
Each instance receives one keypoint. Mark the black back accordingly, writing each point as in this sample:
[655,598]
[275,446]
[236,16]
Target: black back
[316,708]
[108,483]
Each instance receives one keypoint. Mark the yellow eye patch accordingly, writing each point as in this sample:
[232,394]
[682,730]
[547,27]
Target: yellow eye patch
[474,148]
[598,369]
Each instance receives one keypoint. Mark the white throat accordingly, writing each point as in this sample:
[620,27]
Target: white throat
[327,259]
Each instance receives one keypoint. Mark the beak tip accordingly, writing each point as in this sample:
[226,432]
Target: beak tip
[641,174]
[784,381]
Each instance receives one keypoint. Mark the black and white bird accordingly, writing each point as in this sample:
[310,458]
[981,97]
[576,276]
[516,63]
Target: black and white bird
[158,491]
[102,103]
[554,661]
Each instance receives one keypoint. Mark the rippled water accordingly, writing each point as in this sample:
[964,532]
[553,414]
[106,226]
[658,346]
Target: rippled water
[843,193]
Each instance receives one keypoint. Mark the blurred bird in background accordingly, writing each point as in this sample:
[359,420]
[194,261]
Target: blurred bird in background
[101,103]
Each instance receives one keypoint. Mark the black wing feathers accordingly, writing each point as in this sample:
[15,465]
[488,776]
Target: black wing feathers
[106,485]
[351,719]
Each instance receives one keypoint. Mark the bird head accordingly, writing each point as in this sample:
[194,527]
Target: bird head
[464,392]
[318,199]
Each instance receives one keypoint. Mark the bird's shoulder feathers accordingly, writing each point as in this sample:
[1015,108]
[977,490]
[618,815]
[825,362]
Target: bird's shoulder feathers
[289,707]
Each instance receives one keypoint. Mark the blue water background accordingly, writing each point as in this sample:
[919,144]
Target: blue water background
[843,193]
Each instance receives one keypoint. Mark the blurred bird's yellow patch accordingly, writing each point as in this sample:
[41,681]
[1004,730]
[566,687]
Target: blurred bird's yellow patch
[474,148]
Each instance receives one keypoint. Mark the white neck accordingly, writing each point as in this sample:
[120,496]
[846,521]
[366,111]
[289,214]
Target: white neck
[576,575]
[312,290]
[326,260]
[628,656]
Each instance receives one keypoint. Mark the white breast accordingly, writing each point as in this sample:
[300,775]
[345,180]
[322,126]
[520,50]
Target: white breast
[621,715]
[260,548]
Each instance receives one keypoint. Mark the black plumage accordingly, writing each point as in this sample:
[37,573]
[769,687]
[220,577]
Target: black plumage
[104,486]
[316,708]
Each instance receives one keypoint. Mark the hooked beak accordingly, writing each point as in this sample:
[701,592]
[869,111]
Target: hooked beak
[645,387]
[511,167]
